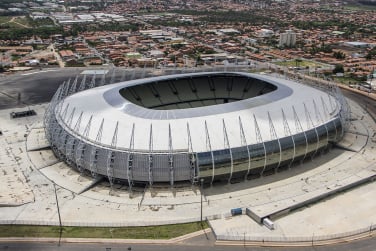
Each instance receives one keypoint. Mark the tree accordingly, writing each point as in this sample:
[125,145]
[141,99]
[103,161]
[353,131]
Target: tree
[338,69]
[339,55]
[371,54]
[298,61]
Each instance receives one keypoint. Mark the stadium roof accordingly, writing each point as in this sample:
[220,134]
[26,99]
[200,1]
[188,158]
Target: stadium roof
[153,127]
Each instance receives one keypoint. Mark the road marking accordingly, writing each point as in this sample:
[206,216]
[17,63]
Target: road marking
[36,72]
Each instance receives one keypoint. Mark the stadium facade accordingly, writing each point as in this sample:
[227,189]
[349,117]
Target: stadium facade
[210,126]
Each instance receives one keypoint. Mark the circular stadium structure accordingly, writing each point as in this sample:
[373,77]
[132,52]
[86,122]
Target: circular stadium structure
[210,126]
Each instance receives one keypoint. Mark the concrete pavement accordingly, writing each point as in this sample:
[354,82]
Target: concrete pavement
[101,206]
[33,199]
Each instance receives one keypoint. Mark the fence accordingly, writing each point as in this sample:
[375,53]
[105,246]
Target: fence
[117,223]
[234,235]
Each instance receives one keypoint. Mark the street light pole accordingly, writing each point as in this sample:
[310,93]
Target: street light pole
[58,212]
[201,191]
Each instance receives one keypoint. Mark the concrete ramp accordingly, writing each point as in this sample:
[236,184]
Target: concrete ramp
[353,141]
[312,189]
[67,177]
[355,138]
[36,140]
[42,158]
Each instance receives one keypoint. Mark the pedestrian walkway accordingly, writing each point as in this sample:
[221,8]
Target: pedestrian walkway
[53,183]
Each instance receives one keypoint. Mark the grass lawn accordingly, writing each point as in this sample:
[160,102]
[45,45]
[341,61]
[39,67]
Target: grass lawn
[346,80]
[149,232]
[22,20]
[4,19]
[14,22]
[360,7]
[302,63]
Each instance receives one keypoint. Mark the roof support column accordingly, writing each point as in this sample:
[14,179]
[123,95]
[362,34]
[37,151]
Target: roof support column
[288,133]
[130,161]
[227,144]
[310,123]
[243,141]
[170,156]
[299,129]
[94,152]
[209,148]
[259,140]
[111,157]
[192,157]
[274,136]
[150,156]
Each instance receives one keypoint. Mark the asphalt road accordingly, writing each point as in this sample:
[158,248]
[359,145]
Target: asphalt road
[35,87]
[368,244]
[38,87]
[364,101]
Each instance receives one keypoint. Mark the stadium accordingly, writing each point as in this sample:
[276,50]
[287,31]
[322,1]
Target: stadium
[197,127]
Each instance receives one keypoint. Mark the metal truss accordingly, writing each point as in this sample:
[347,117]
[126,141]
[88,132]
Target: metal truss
[192,157]
[123,76]
[260,141]
[92,82]
[274,136]
[170,156]
[227,145]
[111,156]
[103,80]
[150,156]
[73,150]
[209,148]
[320,119]
[112,80]
[83,84]
[310,123]
[299,129]
[130,160]
[81,147]
[95,152]
[288,134]
[73,88]
[243,142]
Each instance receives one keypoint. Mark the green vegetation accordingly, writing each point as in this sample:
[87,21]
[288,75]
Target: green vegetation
[172,23]
[149,232]
[339,55]
[345,80]
[111,26]
[74,63]
[300,62]
[8,22]
[21,27]
[371,54]
[23,33]
[92,5]
[360,7]
[338,69]
[4,19]
[227,16]
[22,21]
[323,48]
[347,27]
[40,22]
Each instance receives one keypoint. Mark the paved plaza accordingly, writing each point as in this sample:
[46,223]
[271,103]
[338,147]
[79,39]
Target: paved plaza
[32,181]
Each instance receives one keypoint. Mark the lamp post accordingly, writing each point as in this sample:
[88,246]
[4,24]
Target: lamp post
[58,211]
[201,191]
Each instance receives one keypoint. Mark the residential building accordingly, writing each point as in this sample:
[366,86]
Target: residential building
[287,39]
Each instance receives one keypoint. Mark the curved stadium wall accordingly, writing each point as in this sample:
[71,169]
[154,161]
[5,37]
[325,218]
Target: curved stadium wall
[187,127]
